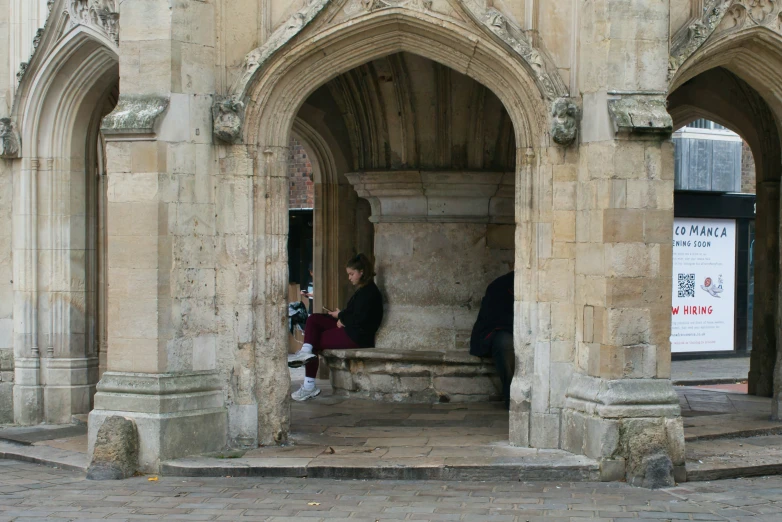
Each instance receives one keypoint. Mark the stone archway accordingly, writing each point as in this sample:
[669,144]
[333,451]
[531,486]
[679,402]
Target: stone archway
[60,282]
[274,98]
[734,79]
[328,259]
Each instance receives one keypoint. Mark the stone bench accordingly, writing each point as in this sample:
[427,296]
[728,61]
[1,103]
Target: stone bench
[412,376]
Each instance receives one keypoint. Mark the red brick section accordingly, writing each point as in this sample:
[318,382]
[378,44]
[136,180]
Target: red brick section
[302,189]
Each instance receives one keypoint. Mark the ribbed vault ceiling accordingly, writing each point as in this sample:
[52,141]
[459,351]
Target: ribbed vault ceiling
[407,112]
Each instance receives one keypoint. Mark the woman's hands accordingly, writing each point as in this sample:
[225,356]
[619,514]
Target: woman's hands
[335,315]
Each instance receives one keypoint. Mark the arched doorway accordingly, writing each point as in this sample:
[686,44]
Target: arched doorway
[275,97]
[431,156]
[734,80]
[60,270]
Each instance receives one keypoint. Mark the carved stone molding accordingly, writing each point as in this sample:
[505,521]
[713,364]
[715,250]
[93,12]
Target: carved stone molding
[257,57]
[564,121]
[688,41]
[513,36]
[368,6]
[640,113]
[135,115]
[747,13]
[228,117]
[721,17]
[10,142]
[100,14]
[228,114]
[22,70]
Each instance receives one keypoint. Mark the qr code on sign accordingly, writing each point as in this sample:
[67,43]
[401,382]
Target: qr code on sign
[686,285]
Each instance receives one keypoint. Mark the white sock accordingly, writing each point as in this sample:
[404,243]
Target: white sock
[306,348]
[309,383]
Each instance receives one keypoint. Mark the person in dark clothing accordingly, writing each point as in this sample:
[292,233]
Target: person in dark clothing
[353,327]
[492,334]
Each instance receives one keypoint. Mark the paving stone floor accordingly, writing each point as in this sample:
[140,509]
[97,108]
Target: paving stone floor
[32,492]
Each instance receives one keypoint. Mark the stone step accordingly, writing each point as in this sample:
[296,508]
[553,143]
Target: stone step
[729,426]
[696,473]
[555,466]
[732,458]
[48,456]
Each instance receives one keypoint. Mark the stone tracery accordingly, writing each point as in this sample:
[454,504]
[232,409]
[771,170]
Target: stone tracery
[101,14]
[722,17]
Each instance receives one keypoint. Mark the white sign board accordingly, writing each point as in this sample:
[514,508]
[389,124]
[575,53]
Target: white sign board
[704,285]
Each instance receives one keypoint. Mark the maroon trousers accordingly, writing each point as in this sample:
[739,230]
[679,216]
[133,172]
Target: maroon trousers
[322,332]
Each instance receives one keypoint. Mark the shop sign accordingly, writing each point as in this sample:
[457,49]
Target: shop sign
[704,285]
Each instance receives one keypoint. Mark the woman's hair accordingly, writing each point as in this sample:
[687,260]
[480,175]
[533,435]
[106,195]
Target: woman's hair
[361,263]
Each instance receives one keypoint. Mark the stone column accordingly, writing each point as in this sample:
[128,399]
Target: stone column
[621,408]
[764,312]
[161,235]
[440,238]
[28,392]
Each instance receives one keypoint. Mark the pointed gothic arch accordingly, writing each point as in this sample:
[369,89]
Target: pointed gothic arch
[275,94]
[734,77]
[70,83]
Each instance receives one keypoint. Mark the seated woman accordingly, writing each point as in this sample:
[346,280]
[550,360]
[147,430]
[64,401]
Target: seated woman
[353,327]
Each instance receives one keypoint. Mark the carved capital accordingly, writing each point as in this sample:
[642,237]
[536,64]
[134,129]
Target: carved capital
[228,117]
[640,113]
[10,142]
[135,115]
[564,121]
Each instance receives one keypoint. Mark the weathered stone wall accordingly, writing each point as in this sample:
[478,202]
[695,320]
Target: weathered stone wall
[433,276]
[747,170]
[6,78]
[302,186]
[6,228]
[6,295]
[620,407]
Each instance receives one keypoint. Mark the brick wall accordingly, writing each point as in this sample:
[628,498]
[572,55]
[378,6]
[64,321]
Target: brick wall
[302,189]
[747,170]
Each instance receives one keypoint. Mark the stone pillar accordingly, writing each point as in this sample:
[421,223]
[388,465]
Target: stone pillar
[764,312]
[440,239]
[161,235]
[28,392]
[621,407]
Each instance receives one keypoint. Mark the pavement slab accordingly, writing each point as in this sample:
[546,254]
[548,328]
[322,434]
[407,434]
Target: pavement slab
[43,493]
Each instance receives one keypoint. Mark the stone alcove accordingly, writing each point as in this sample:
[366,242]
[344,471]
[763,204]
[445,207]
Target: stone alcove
[432,152]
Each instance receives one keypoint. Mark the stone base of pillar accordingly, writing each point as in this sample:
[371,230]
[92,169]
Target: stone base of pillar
[69,385]
[28,393]
[632,426]
[176,414]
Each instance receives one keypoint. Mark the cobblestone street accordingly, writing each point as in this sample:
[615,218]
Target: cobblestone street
[32,492]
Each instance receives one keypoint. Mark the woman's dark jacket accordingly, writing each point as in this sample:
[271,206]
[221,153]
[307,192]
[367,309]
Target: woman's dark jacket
[363,315]
[496,313]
